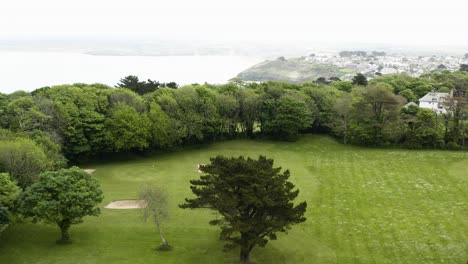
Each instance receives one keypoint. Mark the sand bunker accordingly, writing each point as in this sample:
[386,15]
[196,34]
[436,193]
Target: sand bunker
[89,171]
[198,167]
[126,204]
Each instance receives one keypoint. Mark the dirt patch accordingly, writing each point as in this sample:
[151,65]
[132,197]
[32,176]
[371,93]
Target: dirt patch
[89,171]
[126,204]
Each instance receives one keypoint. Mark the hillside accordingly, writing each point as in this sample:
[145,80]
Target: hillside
[346,64]
[295,70]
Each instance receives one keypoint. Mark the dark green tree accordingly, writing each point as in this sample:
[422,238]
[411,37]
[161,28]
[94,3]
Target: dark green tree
[321,80]
[63,198]
[132,82]
[172,85]
[255,201]
[360,79]
[464,67]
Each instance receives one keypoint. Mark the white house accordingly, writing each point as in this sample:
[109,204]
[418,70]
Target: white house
[434,101]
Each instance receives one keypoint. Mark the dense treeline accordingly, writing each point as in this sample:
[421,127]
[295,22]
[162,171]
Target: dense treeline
[83,120]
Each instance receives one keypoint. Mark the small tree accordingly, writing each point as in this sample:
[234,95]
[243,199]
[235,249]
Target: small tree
[63,198]
[156,208]
[254,199]
[360,79]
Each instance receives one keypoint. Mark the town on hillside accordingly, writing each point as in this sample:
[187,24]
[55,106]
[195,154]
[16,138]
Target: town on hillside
[346,64]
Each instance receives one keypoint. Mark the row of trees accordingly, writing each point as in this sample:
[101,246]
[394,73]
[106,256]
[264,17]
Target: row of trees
[89,120]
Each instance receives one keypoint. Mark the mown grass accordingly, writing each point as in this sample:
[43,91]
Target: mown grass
[365,206]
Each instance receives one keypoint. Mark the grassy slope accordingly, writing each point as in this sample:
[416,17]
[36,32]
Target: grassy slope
[365,206]
[292,70]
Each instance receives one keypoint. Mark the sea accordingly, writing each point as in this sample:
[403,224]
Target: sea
[29,70]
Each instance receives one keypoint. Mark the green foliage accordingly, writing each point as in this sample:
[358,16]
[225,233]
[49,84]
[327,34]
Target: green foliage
[341,116]
[285,117]
[360,79]
[249,110]
[79,119]
[254,199]
[23,160]
[124,96]
[293,115]
[375,115]
[409,95]
[63,198]
[422,129]
[343,86]
[9,192]
[162,130]
[25,114]
[128,129]
[86,121]
[52,150]
[403,82]
[321,102]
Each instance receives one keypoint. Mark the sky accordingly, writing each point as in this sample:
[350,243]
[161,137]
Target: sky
[402,22]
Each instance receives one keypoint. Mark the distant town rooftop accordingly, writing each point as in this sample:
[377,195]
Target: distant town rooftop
[433,97]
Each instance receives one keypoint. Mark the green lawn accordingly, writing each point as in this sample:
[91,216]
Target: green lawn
[365,206]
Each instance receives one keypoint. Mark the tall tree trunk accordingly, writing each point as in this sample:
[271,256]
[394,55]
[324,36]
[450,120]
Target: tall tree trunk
[244,255]
[65,235]
[163,240]
[345,128]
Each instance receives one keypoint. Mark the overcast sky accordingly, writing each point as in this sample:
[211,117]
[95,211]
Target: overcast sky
[403,22]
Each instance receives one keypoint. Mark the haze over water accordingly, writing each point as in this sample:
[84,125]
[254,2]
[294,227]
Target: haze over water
[29,70]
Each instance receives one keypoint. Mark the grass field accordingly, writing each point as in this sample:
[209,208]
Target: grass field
[365,206]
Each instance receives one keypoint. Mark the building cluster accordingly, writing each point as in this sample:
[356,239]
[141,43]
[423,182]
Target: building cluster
[372,64]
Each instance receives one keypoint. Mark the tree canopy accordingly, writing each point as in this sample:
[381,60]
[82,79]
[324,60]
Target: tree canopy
[80,121]
[360,79]
[62,197]
[255,200]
